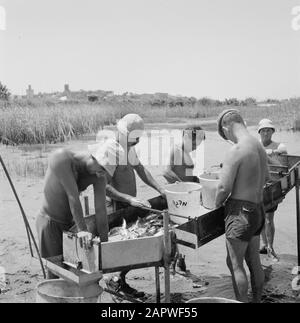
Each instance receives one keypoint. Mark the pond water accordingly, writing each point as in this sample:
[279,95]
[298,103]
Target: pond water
[153,149]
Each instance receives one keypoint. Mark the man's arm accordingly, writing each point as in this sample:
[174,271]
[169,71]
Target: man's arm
[116,195]
[170,176]
[100,209]
[228,175]
[147,178]
[168,173]
[122,197]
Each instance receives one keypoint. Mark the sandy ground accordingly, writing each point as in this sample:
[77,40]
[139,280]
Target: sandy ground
[207,272]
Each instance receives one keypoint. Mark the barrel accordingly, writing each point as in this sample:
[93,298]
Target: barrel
[209,182]
[183,198]
[62,291]
[212,300]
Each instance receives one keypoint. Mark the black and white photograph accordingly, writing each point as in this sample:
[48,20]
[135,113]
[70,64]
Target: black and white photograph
[149,153]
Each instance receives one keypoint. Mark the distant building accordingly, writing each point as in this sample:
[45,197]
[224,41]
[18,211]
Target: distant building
[29,92]
[66,91]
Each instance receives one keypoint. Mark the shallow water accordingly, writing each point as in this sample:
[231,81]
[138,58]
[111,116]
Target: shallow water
[153,149]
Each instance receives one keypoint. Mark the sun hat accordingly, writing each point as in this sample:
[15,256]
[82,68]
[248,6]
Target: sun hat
[131,125]
[220,121]
[107,154]
[265,123]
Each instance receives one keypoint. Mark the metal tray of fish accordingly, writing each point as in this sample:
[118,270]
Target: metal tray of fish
[132,245]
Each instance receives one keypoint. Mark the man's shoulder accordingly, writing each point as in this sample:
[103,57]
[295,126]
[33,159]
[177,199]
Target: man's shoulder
[59,157]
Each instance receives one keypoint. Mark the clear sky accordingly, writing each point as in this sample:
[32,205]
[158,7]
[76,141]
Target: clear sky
[214,48]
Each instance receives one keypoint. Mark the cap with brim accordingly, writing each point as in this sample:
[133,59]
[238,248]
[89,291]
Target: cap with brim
[265,124]
[107,154]
[131,125]
[220,121]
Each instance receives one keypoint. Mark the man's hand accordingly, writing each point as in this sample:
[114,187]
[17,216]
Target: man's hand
[269,152]
[139,203]
[85,239]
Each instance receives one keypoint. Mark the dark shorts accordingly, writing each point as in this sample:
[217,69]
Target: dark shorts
[50,235]
[243,219]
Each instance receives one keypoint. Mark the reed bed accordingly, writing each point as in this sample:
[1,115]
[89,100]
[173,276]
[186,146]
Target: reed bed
[41,122]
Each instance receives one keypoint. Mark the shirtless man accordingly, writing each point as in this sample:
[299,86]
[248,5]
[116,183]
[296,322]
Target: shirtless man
[122,188]
[274,150]
[242,180]
[68,174]
[180,166]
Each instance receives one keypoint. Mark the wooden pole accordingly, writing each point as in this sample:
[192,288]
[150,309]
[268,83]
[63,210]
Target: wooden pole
[298,215]
[167,256]
[157,284]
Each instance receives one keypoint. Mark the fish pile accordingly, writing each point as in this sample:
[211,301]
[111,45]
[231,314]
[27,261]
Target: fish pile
[152,225]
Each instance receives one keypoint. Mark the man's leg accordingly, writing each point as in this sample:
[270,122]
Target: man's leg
[270,232]
[229,265]
[236,252]
[263,249]
[50,239]
[256,271]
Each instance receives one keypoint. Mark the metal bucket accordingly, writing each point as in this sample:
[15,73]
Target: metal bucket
[62,291]
[184,198]
[209,182]
[212,300]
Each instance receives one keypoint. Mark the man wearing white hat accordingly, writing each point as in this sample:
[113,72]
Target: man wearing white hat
[122,188]
[273,149]
[68,174]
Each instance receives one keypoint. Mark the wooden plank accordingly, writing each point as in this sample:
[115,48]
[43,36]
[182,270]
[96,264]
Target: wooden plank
[56,266]
[132,267]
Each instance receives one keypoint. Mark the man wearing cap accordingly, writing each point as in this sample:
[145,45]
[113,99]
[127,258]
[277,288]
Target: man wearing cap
[68,174]
[240,189]
[273,149]
[122,187]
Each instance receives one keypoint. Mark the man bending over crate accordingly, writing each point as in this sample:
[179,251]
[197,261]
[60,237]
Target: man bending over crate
[242,180]
[67,175]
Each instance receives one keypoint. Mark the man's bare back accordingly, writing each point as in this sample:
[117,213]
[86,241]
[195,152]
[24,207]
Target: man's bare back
[64,168]
[252,167]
